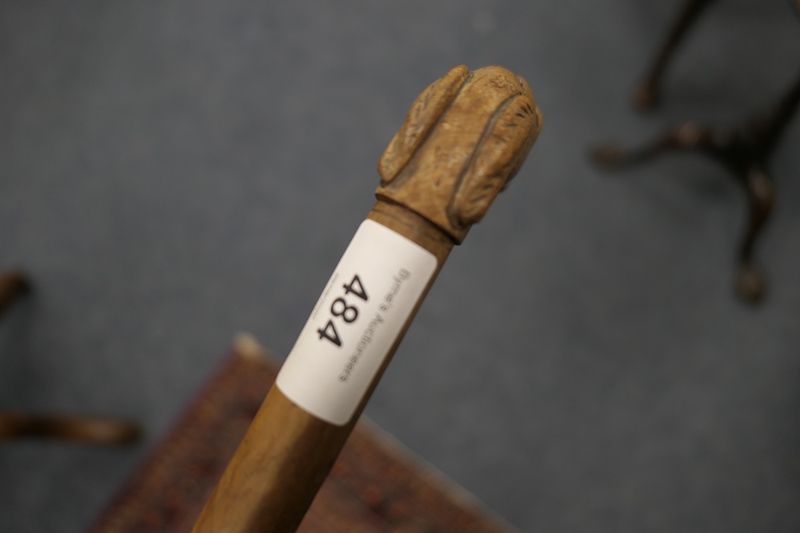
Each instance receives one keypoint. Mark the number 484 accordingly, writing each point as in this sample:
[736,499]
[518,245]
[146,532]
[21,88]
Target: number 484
[342,310]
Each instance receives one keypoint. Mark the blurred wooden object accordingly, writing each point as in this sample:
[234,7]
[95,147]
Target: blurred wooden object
[13,284]
[743,149]
[76,428]
[462,141]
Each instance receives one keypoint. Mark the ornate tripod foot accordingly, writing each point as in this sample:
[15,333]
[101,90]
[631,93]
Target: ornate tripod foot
[741,151]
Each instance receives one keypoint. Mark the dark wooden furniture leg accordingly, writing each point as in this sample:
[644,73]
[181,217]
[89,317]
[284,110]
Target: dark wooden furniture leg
[646,94]
[745,151]
[13,284]
[74,428]
[90,429]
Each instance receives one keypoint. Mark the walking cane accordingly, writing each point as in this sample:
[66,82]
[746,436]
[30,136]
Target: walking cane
[463,140]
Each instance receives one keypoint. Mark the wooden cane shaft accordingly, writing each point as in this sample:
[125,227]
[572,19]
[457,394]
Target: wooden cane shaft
[287,452]
[463,140]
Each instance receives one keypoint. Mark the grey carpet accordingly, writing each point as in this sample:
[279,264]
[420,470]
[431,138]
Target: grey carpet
[175,172]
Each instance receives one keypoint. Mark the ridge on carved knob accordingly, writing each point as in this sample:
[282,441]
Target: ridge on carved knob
[463,140]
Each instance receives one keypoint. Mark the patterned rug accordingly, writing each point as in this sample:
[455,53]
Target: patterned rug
[375,486]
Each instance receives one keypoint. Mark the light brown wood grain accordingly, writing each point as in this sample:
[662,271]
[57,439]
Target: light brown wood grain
[463,140]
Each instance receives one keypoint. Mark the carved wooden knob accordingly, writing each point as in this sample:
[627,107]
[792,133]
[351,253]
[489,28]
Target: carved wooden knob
[463,140]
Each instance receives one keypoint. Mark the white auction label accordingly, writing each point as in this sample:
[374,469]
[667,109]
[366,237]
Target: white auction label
[370,295]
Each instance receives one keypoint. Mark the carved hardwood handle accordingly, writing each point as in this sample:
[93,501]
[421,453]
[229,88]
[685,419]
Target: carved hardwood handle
[463,140]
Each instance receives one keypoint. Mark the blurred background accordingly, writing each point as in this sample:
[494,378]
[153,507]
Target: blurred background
[176,172]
